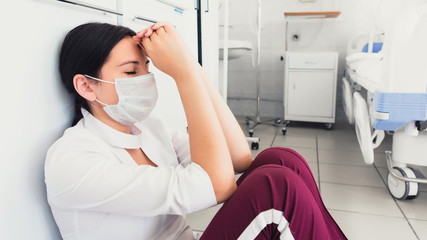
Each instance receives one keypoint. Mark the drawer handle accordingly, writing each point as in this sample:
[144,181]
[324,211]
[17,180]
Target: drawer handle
[144,19]
[176,6]
[307,62]
[87,5]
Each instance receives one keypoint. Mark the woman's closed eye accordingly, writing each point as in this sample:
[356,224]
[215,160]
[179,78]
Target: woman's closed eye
[147,64]
[135,69]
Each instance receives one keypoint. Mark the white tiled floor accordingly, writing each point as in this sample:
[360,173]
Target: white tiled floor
[355,193]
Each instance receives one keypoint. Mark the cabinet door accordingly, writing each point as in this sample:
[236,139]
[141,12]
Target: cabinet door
[36,108]
[310,93]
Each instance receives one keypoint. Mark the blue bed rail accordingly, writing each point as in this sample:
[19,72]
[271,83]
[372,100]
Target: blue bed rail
[376,47]
[399,109]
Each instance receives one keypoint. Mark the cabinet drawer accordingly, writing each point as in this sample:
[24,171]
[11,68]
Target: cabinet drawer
[312,61]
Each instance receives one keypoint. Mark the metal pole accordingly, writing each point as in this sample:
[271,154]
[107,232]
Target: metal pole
[225,54]
[258,64]
[258,96]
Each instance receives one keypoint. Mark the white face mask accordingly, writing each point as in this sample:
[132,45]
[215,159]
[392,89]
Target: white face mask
[137,98]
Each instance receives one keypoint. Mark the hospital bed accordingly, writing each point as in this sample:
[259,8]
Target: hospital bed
[385,91]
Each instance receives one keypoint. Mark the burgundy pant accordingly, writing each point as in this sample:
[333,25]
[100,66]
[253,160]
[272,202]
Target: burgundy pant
[276,198]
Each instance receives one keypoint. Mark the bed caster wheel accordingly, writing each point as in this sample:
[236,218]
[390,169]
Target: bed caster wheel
[284,130]
[251,132]
[389,132]
[328,126]
[254,146]
[278,121]
[402,189]
[247,122]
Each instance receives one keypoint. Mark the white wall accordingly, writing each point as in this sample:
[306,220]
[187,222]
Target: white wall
[30,95]
[36,109]
[356,18]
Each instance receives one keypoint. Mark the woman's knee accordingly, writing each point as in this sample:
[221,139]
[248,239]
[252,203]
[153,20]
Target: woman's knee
[288,158]
[278,187]
[278,152]
[281,156]
[273,177]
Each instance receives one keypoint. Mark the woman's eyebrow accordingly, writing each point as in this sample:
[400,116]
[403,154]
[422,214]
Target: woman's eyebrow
[129,62]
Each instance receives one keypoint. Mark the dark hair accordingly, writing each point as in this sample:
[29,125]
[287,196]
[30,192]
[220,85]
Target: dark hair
[84,51]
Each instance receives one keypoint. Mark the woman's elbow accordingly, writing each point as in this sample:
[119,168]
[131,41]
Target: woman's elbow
[242,163]
[223,191]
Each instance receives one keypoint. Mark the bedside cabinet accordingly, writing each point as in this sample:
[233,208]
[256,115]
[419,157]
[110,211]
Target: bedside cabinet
[310,87]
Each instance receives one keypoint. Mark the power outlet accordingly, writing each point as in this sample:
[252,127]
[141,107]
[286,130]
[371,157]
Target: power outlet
[295,37]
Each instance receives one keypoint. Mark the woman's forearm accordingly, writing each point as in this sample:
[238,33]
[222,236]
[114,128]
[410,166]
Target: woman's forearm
[208,146]
[236,141]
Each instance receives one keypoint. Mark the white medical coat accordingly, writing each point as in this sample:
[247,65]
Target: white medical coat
[97,191]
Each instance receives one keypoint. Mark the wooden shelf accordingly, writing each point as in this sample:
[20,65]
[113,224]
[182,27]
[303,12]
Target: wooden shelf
[312,15]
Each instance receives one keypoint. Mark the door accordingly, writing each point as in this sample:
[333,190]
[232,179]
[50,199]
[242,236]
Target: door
[310,93]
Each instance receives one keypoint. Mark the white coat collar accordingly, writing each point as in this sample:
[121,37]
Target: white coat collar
[111,135]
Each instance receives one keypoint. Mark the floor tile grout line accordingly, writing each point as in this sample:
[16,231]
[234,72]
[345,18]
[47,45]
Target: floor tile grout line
[306,148]
[346,165]
[318,164]
[397,204]
[345,150]
[275,135]
[365,213]
[346,184]
[354,185]
[418,219]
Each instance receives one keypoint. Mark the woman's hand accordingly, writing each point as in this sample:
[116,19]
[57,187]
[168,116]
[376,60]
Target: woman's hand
[167,49]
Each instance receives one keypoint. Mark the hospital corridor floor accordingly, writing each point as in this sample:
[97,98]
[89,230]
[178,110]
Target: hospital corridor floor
[355,193]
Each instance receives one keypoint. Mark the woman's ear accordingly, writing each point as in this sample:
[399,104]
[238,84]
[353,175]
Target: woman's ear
[84,87]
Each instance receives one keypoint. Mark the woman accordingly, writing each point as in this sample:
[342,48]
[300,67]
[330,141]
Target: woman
[119,173]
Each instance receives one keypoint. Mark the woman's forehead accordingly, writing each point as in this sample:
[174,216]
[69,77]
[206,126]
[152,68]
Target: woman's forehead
[126,50]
